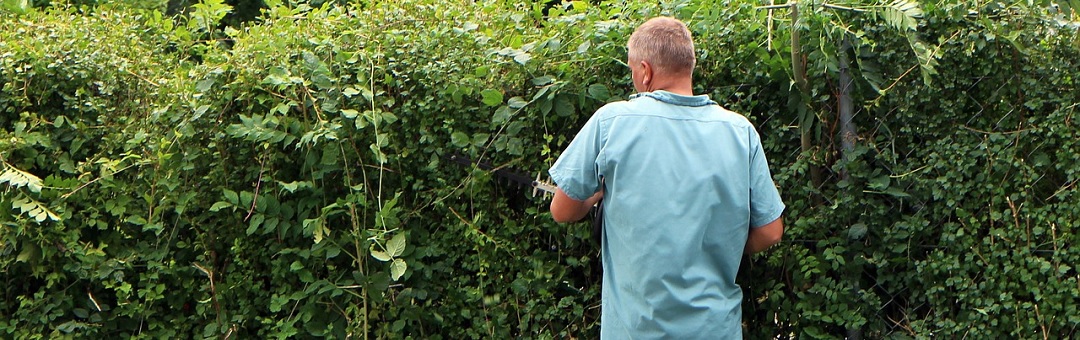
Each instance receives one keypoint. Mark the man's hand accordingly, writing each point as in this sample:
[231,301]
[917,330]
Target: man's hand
[565,209]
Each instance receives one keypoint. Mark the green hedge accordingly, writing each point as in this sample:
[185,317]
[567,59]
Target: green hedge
[292,177]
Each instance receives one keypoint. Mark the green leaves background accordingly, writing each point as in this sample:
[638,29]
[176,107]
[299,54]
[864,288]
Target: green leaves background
[290,177]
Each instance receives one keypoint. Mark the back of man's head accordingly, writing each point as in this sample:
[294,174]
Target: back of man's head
[665,43]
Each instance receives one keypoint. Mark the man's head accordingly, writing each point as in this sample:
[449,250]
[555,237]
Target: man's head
[660,48]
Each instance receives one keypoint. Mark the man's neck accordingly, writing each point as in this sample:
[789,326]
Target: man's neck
[681,85]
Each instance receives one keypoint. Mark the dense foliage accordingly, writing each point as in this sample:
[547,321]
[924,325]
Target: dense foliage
[292,176]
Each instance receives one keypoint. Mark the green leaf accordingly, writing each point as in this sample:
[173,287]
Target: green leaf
[542,80]
[317,228]
[522,57]
[276,302]
[332,251]
[599,92]
[397,269]
[220,205]
[292,187]
[482,71]
[350,91]
[857,231]
[880,182]
[584,47]
[18,178]
[34,209]
[502,115]
[208,14]
[378,255]
[479,139]
[19,7]
[379,155]
[491,97]
[71,326]
[251,229]
[896,192]
[563,107]
[246,197]
[28,254]
[254,223]
[322,81]
[278,76]
[517,102]
[396,245]
[459,139]
[271,225]
[199,112]
[204,85]
[388,117]
[545,106]
[904,14]
[231,196]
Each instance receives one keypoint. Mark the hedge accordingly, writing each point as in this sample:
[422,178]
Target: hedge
[299,175]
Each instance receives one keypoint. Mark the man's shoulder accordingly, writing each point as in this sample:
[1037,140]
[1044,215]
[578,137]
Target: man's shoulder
[649,107]
[618,107]
[731,116]
[634,106]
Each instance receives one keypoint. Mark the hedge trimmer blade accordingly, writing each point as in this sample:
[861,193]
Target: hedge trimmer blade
[539,187]
[542,187]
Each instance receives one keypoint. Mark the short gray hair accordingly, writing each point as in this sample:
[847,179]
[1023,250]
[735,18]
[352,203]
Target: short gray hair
[665,43]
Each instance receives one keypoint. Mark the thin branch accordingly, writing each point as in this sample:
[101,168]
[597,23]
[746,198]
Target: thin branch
[1067,186]
[769,25]
[826,5]
[898,79]
[142,78]
[65,196]
[258,184]
[787,5]
[965,127]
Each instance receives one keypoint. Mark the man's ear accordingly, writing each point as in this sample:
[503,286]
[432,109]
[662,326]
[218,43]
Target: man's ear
[646,74]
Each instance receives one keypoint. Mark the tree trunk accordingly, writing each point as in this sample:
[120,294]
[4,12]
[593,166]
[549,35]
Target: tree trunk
[806,117]
[847,145]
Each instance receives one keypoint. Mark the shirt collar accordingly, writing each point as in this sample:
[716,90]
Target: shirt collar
[676,99]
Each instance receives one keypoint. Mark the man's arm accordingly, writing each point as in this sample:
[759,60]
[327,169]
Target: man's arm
[565,209]
[765,236]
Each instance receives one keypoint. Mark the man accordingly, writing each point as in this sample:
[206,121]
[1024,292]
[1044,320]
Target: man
[686,188]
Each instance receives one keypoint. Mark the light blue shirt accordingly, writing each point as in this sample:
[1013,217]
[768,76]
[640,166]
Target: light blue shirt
[684,182]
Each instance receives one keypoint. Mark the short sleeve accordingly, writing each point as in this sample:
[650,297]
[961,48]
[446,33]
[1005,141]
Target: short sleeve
[765,203]
[575,172]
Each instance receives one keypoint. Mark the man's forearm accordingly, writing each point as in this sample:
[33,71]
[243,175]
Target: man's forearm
[763,237]
[565,209]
